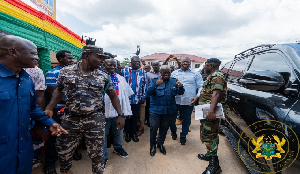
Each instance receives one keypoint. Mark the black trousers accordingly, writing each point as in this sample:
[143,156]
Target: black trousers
[159,122]
[131,123]
[51,155]
[147,110]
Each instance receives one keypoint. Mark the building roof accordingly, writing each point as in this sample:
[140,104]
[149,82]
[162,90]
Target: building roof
[164,56]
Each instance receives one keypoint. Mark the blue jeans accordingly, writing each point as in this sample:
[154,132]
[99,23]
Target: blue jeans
[118,135]
[185,111]
[161,122]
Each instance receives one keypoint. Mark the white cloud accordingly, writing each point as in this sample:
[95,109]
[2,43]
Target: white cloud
[206,28]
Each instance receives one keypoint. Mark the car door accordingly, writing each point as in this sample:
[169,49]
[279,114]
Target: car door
[247,105]
[273,105]
[234,70]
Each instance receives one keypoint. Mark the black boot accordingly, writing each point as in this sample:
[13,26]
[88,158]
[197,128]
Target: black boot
[77,155]
[203,157]
[213,167]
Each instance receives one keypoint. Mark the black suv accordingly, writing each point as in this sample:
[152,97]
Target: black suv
[263,100]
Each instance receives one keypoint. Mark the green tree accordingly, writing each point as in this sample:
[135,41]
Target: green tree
[126,62]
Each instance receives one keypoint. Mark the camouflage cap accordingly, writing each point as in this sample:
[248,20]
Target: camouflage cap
[93,49]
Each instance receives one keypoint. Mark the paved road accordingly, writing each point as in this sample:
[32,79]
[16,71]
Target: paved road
[178,160]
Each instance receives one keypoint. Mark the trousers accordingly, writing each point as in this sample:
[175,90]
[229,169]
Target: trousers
[51,155]
[92,128]
[185,111]
[161,122]
[117,135]
[131,123]
[209,135]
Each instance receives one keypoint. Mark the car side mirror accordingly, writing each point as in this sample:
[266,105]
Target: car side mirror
[262,80]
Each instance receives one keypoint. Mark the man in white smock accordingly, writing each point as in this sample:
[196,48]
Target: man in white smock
[123,91]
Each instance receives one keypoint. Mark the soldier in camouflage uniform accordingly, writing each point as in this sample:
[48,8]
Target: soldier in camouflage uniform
[213,92]
[84,85]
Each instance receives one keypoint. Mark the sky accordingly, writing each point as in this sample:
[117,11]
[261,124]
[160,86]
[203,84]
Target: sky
[205,28]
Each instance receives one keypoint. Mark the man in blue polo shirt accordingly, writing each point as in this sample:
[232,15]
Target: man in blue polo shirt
[18,105]
[64,58]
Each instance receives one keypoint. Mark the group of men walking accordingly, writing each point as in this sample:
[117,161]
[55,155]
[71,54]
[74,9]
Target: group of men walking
[95,98]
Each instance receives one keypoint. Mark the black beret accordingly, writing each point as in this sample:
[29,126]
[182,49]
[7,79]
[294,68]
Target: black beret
[213,60]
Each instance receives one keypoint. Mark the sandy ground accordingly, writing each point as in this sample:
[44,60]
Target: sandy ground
[180,159]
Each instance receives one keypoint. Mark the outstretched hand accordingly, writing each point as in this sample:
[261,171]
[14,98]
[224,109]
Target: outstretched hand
[179,84]
[159,81]
[57,130]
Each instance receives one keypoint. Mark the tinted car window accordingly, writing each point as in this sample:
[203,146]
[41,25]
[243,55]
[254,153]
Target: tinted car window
[273,62]
[270,61]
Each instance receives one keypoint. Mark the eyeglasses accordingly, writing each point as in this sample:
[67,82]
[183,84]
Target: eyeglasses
[165,73]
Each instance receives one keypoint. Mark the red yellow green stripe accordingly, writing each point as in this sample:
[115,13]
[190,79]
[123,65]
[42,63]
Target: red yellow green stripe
[43,16]
[19,13]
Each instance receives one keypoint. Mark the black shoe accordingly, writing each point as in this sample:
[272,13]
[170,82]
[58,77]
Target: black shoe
[135,138]
[121,152]
[182,140]
[203,157]
[50,170]
[77,155]
[174,135]
[105,162]
[213,167]
[127,138]
[152,150]
[162,149]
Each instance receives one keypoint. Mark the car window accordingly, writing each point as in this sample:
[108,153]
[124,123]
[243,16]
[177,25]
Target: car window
[296,48]
[269,61]
[238,69]
[274,62]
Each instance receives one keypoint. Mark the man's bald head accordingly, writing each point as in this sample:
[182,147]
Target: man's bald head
[17,53]
[11,41]
[3,33]
[110,65]
[110,60]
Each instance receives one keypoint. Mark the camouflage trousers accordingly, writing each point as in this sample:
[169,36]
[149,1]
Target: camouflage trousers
[209,135]
[92,127]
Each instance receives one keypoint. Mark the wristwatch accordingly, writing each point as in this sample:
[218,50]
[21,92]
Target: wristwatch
[122,115]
